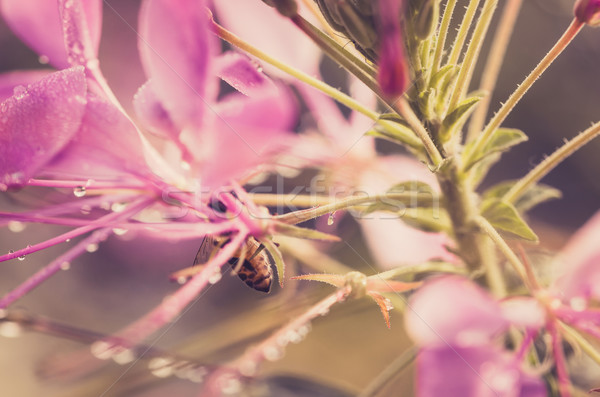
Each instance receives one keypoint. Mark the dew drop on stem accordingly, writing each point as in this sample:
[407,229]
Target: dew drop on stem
[79,191]
[10,329]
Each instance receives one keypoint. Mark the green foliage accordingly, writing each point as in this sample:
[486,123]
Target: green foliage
[533,196]
[504,216]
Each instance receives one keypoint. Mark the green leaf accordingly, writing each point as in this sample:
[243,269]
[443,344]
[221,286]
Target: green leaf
[301,232]
[455,120]
[504,216]
[397,130]
[431,220]
[500,141]
[438,78]
[533,196]
[418,194]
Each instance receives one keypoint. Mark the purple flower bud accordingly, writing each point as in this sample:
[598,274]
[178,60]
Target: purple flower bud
[588,11]
[393,71]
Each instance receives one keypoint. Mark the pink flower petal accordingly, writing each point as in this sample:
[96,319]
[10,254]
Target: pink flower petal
[37,122]
[453,311]
[483,371]
[524,312]
[37,23]
[275,109]
[263,27]
[578,263]
[151,113]
[176,49]
[80,46]
[106,146]
[229,150]
[8,81]
[243,74]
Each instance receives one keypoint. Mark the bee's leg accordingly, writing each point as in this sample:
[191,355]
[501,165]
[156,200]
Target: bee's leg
[237,261]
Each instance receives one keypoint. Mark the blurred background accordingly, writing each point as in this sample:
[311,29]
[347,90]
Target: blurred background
[105,290]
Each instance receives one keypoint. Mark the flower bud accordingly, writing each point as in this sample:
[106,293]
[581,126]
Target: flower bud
[588,11]
[393,71]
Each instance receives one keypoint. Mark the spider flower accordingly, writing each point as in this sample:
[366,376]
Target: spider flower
[68,130]
[456,325]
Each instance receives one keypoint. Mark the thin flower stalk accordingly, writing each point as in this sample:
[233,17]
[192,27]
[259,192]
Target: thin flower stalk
[442,33]
[461,35]
[550,162]
[493,64]
[472,53]
[518,94]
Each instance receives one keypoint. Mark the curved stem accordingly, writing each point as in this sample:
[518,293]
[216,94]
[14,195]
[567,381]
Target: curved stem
[339,96]
[411,118]
[468,64]
[516,96]
[494,61]
[443,32]
[504,248]
[409,198]
[550,162]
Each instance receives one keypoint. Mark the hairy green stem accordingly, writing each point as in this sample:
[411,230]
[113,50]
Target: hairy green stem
[443,32]
[461,35]
[494,61]
[411,118]
[468,65]
[516,96]
[504,248]
[550,162]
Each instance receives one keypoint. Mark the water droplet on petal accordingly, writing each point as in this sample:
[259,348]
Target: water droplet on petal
[16,226]
[68,240]
[161,367]
[79,191]
[182,280]
[19,92]
[11,251]
[21,258]
[272,353]
[10,329]
[65,265]
[43,59]
[92,247]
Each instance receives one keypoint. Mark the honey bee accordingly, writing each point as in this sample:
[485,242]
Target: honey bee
[255,269]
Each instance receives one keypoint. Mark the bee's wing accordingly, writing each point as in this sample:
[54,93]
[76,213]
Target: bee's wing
[206,250]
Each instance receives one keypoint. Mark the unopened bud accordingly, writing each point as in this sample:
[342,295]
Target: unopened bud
[425,18]
[393,71]
[588,11]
